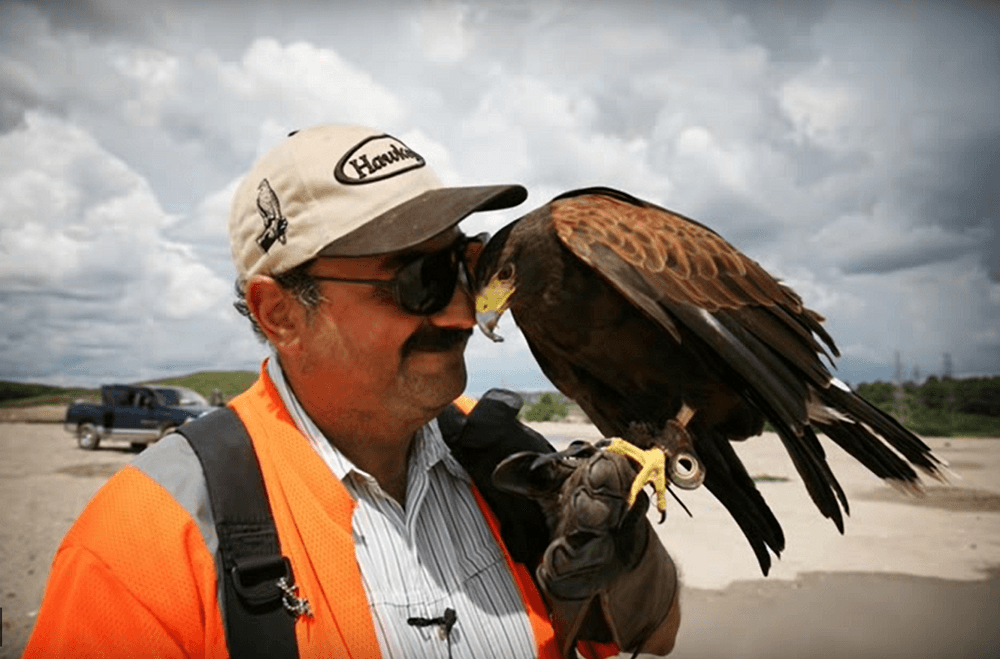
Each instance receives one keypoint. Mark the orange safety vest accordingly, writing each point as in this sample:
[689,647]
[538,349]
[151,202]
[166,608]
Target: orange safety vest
[134,577]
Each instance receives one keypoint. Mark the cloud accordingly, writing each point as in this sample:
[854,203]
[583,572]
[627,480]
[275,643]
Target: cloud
[84,254]
[551,136]
[443,31]
[309,85]
[924,312]
[851,149]
[59,186]
[886,240]
[820,112]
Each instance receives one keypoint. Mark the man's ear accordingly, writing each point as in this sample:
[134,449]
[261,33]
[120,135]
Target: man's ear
[473,250]
[278,314]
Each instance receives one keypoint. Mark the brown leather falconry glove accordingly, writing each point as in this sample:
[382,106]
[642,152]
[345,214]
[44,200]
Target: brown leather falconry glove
[605,574]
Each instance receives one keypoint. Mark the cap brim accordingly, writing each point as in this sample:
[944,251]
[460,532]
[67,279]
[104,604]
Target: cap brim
[423,217]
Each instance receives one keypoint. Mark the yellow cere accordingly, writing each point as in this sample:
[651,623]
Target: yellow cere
[494,297]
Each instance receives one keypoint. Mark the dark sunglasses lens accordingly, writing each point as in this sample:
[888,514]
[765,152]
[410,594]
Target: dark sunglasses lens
[425,286]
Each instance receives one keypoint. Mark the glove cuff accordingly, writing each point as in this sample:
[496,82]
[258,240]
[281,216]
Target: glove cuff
[627,610]
[638,602]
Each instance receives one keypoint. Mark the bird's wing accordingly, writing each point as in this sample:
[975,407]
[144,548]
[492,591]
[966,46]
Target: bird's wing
[751,326]
[677,270]
[686,261]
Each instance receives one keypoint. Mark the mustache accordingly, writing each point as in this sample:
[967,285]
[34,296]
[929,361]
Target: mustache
[435,339]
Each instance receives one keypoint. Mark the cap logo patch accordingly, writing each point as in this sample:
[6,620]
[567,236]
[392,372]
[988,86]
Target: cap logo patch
[375,159]
[275,224]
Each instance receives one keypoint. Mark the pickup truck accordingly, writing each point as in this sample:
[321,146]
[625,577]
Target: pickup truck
[139,415]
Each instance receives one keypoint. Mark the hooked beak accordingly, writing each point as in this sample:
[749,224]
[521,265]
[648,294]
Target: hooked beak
[491,302]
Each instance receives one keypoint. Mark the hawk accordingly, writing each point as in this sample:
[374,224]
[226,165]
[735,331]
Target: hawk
[676,344]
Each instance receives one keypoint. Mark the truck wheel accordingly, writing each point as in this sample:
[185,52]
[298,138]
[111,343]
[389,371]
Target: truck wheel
[87,436]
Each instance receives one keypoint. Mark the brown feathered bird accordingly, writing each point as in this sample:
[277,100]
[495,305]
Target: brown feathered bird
[671,338]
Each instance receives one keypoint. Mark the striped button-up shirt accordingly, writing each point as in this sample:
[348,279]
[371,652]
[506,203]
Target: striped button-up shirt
[437,553]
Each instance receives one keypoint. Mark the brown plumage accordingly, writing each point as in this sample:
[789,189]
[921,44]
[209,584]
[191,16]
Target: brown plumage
[666,335]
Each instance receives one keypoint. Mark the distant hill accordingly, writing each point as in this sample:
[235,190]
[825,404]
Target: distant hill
[230,383]
[18,394]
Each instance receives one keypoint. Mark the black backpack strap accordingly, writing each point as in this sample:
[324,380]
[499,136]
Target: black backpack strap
[260,606]
[479,441]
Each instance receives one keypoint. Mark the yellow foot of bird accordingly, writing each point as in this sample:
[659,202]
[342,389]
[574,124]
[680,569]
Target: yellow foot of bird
[652,470]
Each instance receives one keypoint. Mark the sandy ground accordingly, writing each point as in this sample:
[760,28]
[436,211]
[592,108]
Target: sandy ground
[45,481]
[39,413]
[909,578]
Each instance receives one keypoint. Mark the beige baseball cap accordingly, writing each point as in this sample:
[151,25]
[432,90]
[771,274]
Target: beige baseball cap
[345,191]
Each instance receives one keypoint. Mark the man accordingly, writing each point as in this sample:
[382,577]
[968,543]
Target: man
[350,265]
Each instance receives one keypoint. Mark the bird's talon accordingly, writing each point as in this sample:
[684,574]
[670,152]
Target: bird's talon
[652,469]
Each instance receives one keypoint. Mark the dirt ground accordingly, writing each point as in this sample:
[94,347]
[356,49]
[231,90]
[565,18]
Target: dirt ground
[45,481]
[40,413]
[909,578]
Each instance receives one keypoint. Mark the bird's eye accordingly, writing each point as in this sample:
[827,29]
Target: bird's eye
[506,272]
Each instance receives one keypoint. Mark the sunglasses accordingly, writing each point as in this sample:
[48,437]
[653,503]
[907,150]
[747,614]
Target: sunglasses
[425,285]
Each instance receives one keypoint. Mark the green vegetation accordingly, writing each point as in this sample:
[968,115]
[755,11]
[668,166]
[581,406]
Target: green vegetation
[17,394]
[230,383]
[936,408]
[941,408]
[548,407]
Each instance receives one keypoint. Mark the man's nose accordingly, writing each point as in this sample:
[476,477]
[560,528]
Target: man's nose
[460,312]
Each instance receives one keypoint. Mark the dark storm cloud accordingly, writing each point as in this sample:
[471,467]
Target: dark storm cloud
[813,164]
[967,193]
[783,27]
[740,221]
[894,258]
[98,17]
[954,189]
[930,133]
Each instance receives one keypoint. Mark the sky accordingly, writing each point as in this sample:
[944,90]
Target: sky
[851,148]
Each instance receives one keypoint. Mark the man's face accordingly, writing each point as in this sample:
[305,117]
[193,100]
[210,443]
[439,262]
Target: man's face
[372,356]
